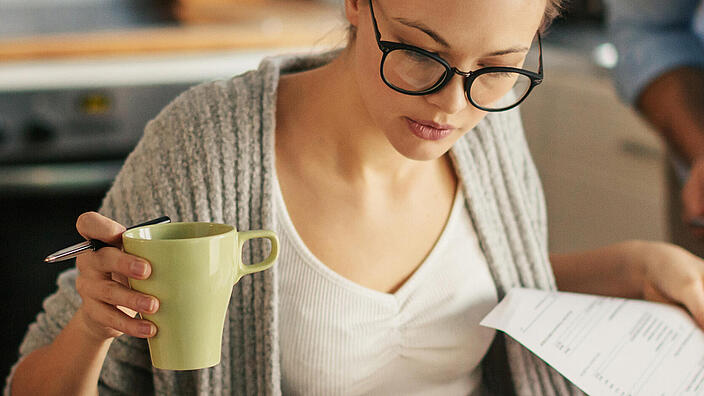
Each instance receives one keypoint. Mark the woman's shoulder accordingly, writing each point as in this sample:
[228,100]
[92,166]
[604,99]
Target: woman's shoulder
[214,103]
[242,104]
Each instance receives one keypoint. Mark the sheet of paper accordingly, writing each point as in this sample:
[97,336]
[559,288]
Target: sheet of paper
[605,345]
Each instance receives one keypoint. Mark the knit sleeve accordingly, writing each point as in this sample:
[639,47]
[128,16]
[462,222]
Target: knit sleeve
[183,163]
[535,193]
[528,374]
[183,167]
[511,132]
[127,367]
[57,311]
[167,174]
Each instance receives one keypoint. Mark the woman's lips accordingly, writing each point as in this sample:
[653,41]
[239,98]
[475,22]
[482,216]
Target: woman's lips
[428,130]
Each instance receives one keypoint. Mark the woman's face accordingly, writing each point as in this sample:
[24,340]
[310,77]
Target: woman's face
[473,29]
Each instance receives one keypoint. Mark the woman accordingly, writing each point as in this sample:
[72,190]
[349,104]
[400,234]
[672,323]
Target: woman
[406,204]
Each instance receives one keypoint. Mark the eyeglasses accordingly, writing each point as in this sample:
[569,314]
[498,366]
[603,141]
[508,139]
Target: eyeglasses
[414,71]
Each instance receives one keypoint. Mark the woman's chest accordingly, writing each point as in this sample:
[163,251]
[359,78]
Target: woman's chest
[378,247]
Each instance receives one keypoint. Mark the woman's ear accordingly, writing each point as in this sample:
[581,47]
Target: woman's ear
[352,11]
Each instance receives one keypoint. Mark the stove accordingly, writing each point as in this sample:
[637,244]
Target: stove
[67,124]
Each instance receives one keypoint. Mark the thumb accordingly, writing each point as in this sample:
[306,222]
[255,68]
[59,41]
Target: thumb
[651,293]
[692,297]
[93,225]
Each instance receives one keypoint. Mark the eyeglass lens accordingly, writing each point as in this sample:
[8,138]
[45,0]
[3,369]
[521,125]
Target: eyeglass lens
[414,71]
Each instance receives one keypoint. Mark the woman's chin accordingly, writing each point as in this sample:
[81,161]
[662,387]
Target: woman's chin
[421,150]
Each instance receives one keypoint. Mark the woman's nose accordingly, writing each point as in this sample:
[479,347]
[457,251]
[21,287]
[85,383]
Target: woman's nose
[451,98]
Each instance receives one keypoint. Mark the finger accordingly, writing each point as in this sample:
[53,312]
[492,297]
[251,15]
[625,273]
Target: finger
[93,225]
[113,293]
[112,260]
[119,278]
[110,320]
[651,293]
[694,301]
[692,297]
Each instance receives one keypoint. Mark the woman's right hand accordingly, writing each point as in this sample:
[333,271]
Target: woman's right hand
[109,305]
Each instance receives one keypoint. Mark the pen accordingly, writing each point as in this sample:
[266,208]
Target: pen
[93,244]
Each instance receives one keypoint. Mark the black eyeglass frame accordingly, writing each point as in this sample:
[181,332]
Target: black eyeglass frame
[387,47]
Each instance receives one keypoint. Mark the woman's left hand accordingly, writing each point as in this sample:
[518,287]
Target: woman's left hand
[673,275]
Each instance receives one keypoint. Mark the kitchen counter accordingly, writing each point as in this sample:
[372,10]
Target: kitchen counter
[165,55]
[276,24]
[133,70]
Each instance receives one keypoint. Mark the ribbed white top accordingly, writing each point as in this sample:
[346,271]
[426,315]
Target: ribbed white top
[338,337]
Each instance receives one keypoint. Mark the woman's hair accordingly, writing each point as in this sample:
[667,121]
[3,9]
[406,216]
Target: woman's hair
[552,11]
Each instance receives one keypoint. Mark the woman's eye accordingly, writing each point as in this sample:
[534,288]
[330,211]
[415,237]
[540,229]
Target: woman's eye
[417,56]
[404,42]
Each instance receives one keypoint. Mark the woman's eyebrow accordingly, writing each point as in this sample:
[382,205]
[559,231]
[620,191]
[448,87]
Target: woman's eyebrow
[430,32]
[506,51]
[420,26]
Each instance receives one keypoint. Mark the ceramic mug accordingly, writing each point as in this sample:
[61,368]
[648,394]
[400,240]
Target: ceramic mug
[194,268]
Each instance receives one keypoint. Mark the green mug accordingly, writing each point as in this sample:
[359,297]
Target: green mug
[194,268]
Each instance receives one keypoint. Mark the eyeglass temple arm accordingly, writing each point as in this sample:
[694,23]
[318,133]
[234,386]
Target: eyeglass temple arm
[540,55]
[376,27]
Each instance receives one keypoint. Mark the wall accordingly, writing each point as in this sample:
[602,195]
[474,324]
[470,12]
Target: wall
[602,167]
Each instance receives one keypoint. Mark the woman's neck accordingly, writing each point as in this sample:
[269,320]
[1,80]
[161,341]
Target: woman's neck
[323,123]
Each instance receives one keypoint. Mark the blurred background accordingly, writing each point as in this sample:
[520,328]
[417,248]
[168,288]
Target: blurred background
[79,79]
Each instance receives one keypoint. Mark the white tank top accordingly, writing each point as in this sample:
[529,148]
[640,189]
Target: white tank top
[340,338]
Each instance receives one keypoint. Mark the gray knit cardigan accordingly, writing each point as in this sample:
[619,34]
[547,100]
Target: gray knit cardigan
[209,156]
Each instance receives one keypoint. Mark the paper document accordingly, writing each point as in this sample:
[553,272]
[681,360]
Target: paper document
[606,345]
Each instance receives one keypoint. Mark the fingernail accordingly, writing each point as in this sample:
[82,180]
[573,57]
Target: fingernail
[146,304]
[138,267]
[146,329]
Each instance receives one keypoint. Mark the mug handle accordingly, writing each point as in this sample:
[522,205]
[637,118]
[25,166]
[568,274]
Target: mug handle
[244,236]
